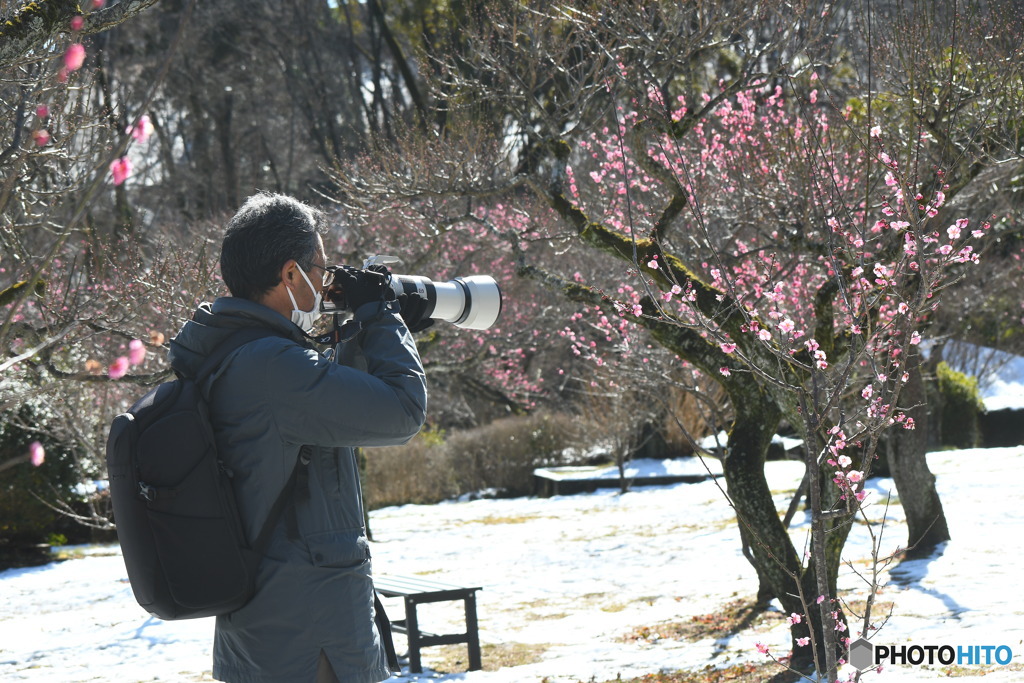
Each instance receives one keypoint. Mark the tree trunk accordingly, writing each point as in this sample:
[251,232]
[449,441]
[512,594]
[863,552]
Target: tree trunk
[766,542]
[926,522]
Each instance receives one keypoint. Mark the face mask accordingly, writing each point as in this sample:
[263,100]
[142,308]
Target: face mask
[305,319]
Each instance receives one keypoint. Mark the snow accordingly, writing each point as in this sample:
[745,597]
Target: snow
[1001,385]
[574,575]
[637,469]
[717,441]
[1006,389]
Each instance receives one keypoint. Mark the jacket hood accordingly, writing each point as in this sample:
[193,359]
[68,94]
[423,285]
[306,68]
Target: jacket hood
[212,323]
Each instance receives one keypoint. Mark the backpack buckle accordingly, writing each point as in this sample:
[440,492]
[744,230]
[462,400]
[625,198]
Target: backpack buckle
[147,492]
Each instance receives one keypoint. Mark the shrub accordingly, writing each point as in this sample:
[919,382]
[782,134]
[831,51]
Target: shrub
[503,454]
[959,408]
[419,472]
[25,520]
[434,467]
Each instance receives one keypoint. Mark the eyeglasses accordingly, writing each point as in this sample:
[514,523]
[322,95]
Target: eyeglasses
[328,275]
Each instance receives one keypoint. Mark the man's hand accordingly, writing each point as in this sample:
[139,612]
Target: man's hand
[413,309]
[362,286]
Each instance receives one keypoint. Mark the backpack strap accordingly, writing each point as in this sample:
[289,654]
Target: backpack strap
[236,340]
[263,540]
[299,485]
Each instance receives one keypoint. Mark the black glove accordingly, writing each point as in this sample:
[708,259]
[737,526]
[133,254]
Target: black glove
[362,286]
[413,308]
[389,294]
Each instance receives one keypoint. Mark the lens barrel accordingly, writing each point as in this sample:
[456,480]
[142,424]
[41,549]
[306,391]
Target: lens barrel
[472,302]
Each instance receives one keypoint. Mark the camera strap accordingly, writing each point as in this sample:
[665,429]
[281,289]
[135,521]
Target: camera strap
[341,333]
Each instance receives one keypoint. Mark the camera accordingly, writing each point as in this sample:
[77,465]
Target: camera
[471,302]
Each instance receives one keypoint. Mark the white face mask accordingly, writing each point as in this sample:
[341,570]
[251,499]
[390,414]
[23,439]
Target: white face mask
[306,319]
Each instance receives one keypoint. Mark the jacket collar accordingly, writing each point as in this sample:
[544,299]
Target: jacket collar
[212,323]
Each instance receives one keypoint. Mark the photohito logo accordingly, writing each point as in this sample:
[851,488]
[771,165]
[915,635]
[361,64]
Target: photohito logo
[863,654]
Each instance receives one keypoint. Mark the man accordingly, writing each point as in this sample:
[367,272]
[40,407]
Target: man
[312,617]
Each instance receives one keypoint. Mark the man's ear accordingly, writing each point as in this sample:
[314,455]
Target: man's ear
[289,272]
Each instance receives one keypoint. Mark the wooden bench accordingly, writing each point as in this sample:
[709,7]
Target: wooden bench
[416,591]
[564,481]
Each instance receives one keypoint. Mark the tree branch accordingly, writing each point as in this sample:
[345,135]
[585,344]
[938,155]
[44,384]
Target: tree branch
[35,23]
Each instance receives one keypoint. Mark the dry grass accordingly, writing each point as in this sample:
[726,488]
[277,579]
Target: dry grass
[447,659]
[734,617]
[740,673]
[976,671]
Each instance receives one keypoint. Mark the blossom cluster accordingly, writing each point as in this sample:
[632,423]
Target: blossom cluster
[73,60]
[847,479]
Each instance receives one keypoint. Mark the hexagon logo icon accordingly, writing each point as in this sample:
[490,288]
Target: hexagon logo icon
[862,653]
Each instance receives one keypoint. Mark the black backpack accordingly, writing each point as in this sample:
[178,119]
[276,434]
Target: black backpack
[177,522]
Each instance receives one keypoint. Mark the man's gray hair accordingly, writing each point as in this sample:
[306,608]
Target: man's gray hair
[267,231]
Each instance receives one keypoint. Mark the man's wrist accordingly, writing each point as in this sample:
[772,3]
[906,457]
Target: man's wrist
[372,310]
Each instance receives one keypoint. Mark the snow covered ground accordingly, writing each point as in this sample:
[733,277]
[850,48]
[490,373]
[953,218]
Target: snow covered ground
[1005,389]
[573,577]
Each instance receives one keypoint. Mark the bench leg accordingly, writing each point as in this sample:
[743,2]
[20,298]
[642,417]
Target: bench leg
[472,634]
[412,631]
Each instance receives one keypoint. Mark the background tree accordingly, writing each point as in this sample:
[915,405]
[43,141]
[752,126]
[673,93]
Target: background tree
[773,190]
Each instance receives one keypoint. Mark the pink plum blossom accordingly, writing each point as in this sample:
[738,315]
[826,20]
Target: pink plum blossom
[119,368]
[42,111]
[120,169]
[41,137]
[803,642]
[74,57]
[136,352]
[36,453]
[144,128]
[77,23]
[728,348]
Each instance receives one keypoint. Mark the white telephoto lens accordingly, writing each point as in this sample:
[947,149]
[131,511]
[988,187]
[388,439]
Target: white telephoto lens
[472,302]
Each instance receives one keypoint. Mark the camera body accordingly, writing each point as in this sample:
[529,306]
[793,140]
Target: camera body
[472,302]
